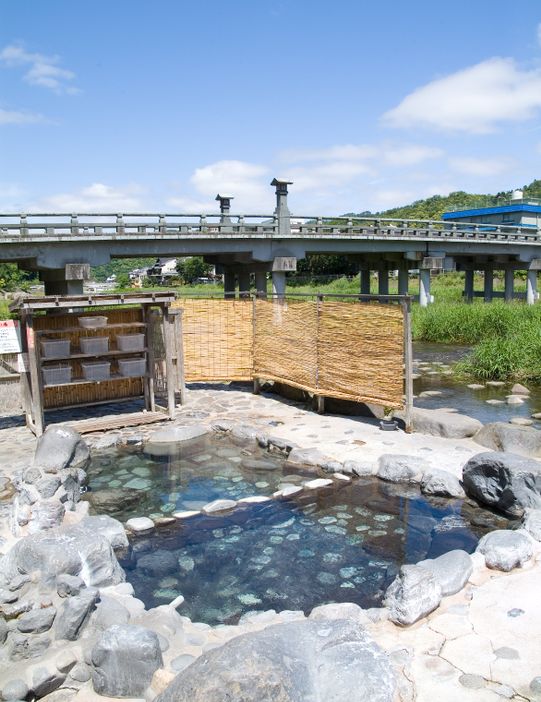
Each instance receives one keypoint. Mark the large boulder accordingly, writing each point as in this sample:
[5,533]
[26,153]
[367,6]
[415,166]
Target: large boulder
[333,660]
[505,481]
[124,659]
[438,422]
[172,441]
[502,436]
[112,500]
[441,483]
[75,550]
[398,468]
[451,570]
[61,448]
[413,594]
[505,549]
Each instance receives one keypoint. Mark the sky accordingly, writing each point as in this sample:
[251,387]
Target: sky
[140,106]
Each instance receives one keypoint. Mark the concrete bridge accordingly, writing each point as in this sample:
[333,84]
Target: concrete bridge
[62,247]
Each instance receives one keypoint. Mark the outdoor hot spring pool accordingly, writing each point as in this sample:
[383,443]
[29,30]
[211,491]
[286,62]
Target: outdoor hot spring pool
[339,544]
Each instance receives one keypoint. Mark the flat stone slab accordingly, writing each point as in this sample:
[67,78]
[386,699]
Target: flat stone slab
[139,524]
[317,483]
[219,506]
[177,435]
[254,499]
[186,514]
[288,491]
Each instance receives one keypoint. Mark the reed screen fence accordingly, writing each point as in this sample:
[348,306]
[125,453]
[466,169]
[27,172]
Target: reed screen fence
[327,347]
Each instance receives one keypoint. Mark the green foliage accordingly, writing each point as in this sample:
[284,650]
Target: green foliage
[4,310]
[120,266]
[192,268]
[123,281]
[13,278]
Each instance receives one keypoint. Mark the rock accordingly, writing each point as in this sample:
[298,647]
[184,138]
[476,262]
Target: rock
[45,681]
[15,689]
[76,550]
[331,660]
[3,630]
[47,514]
[124,659]
[258,464]
[359,467]
[80,672]
[341,610]
[61,448]
[505,481]
[504,549]
[68,585]
[48,485]
[158,563]
[397,468]
[475,386]
[519,389]
[110,528]
[74,614]
[451,570]
[514,400]
[531,522]
[36,621]
[495,383]
[441,483]
[108,612]
[174,440]
[318,483]
[501,436]
[65,661]
[439,423]
[310,458]
[413,594]
[139,524]
[22,647]
[521,421]
[219,506]
[112,500]
[242,434]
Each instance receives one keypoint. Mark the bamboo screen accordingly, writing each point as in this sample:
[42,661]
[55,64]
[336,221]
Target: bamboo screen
[80,394]
[218,339]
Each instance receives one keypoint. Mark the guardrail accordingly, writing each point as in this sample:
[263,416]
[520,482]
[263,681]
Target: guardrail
[141,225]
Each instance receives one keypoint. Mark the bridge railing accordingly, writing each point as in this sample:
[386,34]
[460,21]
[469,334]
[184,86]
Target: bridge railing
[141,225]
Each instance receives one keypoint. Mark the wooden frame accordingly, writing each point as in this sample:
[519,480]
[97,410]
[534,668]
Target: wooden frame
[32,377]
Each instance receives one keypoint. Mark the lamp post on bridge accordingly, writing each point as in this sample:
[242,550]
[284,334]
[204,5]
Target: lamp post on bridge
[225,207]
[283,218]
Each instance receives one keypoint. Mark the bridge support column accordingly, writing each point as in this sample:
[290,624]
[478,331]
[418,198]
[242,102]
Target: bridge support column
[424,287]
[383,281]
[531,287]
[488,283]
[279,283]
[244,283]
[65,281]
[365,281]
[261,283]
[509,290]
[468,285]
[229,282]
[403,280]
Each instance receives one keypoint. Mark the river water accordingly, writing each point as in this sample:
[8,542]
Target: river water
[433,363]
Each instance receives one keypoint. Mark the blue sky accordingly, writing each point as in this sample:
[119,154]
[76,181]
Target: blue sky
[132,105]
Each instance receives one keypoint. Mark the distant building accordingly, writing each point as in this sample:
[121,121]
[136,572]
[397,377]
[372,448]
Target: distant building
[519,211]
[163,270]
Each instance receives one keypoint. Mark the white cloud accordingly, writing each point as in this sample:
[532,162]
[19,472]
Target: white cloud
[95,198]
[325,177]
[476,99]
[410,154]
[480,166]
[20,117]
[340,152]
[247,182]
[192,205]
[41,70]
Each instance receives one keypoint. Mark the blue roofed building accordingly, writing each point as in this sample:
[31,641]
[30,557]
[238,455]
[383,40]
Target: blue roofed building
[519,211]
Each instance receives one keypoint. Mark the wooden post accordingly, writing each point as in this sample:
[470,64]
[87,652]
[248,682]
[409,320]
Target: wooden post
[169,331]
[408,366]
[35,377]
[320,404]
[147,377]
[151,322]
[179,348]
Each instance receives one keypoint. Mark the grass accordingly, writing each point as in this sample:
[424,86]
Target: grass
[506,337]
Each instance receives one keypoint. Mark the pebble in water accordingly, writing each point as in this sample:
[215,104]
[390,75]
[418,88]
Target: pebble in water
[327,520]
[326,578]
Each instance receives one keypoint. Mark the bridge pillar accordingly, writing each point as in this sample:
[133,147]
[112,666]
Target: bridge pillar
[383,281]
[365,281]
[468,285]
[261,283]
[488,283]
[403,279]
[244,283]
[229,282]
[279,283]
[509,290]
[424,287]
[531,287]
[65,281]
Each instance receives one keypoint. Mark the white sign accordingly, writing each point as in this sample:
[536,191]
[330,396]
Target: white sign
[284,263]
[10,336]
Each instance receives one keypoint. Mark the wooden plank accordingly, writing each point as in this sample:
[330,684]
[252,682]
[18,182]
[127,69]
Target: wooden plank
[408,367]
[86,426]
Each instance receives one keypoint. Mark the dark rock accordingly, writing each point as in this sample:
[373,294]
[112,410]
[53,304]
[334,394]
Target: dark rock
[531,522]
[69,585]
[36,621]
[451,570]
[413,594]
[441,484]
[3,630]
[48,485]
[74,614]
[112,500]
[332,660]
[124,659]
[158,563]
[506,481]
[505,549]
[502,436]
